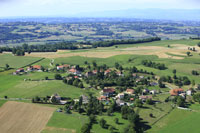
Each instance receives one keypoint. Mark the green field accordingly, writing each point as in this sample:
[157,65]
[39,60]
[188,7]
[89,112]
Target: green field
[176,121]
[16,61]
[15,87]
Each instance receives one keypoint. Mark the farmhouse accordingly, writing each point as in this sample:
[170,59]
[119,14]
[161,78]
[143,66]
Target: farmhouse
[95,72]
[130,91]
[176,92]
[63,67]
[88,74]
[107,71]
[145,91]
[120,102]
[74,71]
[108,92]
[119,73]
[153,92]
[20,70]
[120,96]
[85,99]
[144,98]
[34,68]
[102,98]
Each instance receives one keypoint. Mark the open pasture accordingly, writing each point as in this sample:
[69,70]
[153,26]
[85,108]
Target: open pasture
[16,61]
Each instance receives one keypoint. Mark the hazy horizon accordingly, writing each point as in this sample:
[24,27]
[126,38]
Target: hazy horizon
[70,8]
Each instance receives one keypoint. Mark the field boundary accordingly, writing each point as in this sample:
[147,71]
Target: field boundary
[162,116]
[33,63]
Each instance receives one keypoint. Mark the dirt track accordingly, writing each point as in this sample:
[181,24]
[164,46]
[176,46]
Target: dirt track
[17,117]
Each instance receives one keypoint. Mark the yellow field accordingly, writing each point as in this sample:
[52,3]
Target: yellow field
[17,117]
[161,52]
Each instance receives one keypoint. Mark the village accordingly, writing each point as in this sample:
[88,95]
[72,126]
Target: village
[107,93]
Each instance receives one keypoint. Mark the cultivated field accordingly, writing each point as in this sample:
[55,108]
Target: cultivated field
[23,117]
[175,51]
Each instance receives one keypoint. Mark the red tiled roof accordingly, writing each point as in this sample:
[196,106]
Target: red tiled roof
[102,97]
[37,67]
[175,92]
[130,91]
[73,70]
[110,90]
[145,97]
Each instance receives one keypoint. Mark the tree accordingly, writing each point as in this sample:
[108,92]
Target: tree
[138,103]
[80,85]
[116,120]
[180,101]
[102,123]
[92,119]
[149,101]
[188,53]
[174,71]
[7,66]
[198,44]
[111,128]
[58,77]
[54,100]
[196,97]
[86,128]
[94,64]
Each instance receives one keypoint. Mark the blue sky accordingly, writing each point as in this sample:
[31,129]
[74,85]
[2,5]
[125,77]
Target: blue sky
[70,7]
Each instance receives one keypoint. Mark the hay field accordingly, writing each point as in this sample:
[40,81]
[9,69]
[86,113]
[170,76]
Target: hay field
[17,117]
[174,52]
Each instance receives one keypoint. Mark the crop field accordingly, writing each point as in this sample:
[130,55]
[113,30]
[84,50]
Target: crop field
[175,51]
[24,117]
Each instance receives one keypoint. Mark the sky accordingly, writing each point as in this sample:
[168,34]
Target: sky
[15,8]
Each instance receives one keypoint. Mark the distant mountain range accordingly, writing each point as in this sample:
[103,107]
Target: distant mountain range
[161,14]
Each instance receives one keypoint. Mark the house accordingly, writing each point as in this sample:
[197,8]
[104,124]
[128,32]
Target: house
[108,92]
[145,91]
[102,98]
[88,74]
[74,71]
[130,91]
[189,92]
[37,67]
[85,99]
[176,92]
[20,70]
[153,92]
[144,98]
[94,72]
[62,67]
[183,95]
[120,102]
[141,77]
[120,96]
[56,96]
[119,73]
[107,71]
[134,75]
